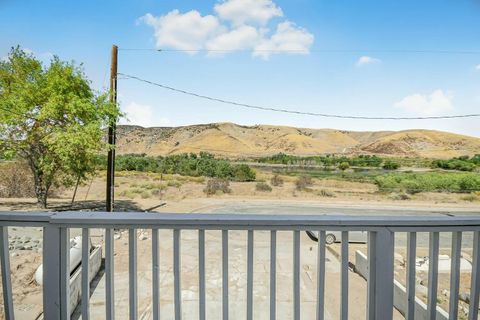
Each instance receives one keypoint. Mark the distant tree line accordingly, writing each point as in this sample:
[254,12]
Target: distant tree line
[326,160]
[203,164]
[464,163]
[428,182]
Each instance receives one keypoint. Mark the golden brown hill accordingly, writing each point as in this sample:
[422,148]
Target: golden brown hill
[232,140]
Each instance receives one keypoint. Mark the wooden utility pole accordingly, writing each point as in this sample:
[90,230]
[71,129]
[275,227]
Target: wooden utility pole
[112,133]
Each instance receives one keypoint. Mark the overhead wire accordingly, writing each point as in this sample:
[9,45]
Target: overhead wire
[406,51]
[290,111]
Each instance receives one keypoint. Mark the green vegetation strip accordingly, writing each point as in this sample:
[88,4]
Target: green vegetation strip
[204,164]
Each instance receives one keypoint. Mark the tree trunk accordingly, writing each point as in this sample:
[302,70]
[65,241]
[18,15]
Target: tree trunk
[41,197]
[41,186]
[41,191]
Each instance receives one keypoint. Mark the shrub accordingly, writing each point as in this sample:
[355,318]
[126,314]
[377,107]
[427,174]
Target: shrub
[16,181]
[303,182]
[243,172]
[343,166]
[326,193]
[391,165]
[262,186]
[173,183]
[145,194]
[216,185]
[276,181]
[128,194]
[469,183]
[428,182]
[470,197]
[461,164]
[399,196]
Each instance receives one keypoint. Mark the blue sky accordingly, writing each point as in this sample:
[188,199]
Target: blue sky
[363,82]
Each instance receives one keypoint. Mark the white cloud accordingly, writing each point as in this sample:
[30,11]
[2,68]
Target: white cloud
[141,115]
[243,37]
[188,31]
[366,60]
[438,102]
[238,25]
[288,37]
[241,12]
[477,67]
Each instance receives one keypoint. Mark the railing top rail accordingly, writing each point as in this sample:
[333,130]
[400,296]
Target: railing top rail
[237,221]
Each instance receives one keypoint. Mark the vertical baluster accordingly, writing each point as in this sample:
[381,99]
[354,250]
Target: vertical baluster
[411,274]
[372,270]
[132,273]
[250,276]
[296,275]
[380,274]
[475,284]
[225,274]
[109,275]
[344,278]
[155,276]
[321,276]
[455,274]
[433,275]
[56,273]
[65,272]
[273,274]
[177,286]
[6,281]
[201,274]
[85,273]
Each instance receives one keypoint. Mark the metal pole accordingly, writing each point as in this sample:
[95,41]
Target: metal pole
[111,133]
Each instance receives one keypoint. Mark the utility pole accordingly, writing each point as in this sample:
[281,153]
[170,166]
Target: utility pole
[112,133]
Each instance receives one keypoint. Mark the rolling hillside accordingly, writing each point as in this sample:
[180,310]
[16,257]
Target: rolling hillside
[232,140]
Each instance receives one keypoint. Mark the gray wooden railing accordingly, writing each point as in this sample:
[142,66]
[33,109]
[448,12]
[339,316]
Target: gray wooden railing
[381,233]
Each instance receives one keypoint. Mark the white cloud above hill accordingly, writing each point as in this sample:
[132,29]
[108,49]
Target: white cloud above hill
[438,102]
[237,25]
[141,115]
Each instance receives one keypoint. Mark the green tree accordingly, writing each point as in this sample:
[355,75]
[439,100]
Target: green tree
[391,165]
[343,166]
[50,116]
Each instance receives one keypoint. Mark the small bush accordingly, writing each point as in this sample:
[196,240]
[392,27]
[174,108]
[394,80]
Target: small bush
[243,172]
[326,193]
[303,182]
[215,186]
[399,196]
[145,195]
[470,197]
[391,165]
[344,166]
[173,183]
[128,194]
[276,181]
[262,186]
[16,181]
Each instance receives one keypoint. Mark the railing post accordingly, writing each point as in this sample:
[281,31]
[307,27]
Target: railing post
[380,275]
[56,273]
[6,280]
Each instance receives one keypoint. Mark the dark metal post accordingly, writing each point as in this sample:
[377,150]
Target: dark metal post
[111,133]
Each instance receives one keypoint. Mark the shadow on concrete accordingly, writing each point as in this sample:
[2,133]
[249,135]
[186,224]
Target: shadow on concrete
[56,205]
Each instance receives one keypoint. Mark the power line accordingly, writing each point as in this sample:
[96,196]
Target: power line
[406,51]
[282,110]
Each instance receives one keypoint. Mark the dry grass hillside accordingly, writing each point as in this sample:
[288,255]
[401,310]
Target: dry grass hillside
[228,139]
